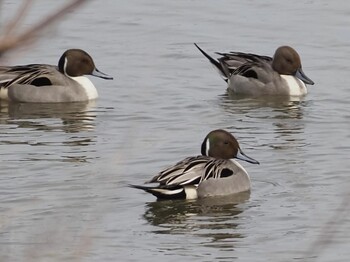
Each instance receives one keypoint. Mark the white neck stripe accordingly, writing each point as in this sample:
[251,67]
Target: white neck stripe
[65,65]
[207,147]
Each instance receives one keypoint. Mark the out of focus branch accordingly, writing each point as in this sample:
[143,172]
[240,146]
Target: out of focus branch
[12,39]
[16,20]
[329,231]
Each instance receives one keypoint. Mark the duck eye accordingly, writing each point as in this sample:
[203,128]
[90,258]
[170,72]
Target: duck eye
[225,142]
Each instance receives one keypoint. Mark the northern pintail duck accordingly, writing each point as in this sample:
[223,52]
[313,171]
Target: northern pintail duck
[41,83]
[256,75]
[214,173]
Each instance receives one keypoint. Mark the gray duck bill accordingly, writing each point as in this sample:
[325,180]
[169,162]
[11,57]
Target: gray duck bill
[98,73]
[301,75]
[244,157]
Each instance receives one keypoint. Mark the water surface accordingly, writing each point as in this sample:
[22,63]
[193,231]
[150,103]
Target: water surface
[65,168]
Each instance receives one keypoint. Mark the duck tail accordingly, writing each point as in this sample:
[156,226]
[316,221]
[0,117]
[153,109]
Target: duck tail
[218,66]
[163,192]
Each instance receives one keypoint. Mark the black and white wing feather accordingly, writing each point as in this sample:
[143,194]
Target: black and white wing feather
[193,170]
[24,75]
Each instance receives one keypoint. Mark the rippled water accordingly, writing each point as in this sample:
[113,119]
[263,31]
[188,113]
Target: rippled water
[65,168]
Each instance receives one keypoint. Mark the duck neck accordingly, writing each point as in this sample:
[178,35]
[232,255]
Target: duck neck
[87,85]
[295,85]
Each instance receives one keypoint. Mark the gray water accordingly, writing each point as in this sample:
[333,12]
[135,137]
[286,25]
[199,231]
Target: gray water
[65,168]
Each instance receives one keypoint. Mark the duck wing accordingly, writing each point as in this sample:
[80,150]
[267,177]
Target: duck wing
[33,74]
[239,63]
[233,61]
[194,170]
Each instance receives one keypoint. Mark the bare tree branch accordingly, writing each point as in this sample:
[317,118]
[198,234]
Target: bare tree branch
[328,232]
[17,19]
[10,40]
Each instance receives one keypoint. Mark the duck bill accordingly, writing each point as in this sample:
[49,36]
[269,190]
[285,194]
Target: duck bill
[98,73]
[301,75]
[244,157]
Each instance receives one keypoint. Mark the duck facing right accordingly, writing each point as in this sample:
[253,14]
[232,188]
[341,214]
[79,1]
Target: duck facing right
[213,173]
[257,75]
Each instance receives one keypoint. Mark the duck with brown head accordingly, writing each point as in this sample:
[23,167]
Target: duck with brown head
[214,173]
[41,83]
[256,75]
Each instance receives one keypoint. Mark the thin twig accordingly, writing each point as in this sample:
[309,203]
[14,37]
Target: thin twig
[12,41]
[328,232]
[18,18]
